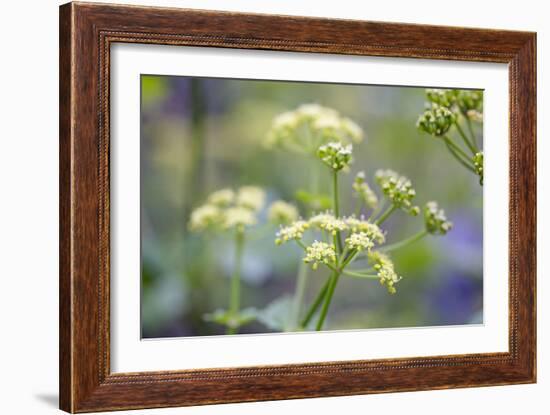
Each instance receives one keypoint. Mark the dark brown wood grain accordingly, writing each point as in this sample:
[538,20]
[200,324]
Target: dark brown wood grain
[86,33]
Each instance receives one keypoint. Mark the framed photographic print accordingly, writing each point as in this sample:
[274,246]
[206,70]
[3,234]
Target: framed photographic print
[260,207]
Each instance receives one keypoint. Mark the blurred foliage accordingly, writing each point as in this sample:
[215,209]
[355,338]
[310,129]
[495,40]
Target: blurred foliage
[199,135]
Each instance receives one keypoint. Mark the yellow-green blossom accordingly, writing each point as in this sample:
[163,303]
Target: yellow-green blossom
[251,197]
[294,231]
[435,219]
[478,165]
[222,198]
[398,189]
[436,120]
[239,217]
[281,212]
[361,225]
[307,127]
[468,100]
[360,241]
[364,192]
[328,222]
[384,268]
[335,155]
[443,97]
[205,217]
[475,115]
[320,252]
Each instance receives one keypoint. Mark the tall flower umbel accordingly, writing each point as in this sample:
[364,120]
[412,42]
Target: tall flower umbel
[335,242]
[309,126]
[455,110]
[335,155]
[233,212]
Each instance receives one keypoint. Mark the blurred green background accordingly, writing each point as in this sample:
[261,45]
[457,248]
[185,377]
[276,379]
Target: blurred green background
[199,135]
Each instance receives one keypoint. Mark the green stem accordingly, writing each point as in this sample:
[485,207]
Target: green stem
[328,298]
[360,275]
[471,130]
[235,299]
[336,206]
[405,242]
[456,147]
[468,143]
[457,156]
[385,215]
[315,305]
[362,270]
[460,160]
[298,296]
[376,211]
[333,281]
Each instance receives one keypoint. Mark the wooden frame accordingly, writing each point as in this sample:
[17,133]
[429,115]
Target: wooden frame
[86,33]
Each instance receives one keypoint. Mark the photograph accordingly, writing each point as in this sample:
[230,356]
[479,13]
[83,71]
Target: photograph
[273,206]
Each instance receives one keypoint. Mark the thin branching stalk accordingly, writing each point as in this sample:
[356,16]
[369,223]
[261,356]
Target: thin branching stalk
[361,275]
[471,131]
[315,305]
[385,215]
[401,244]
[298,298]
[457,156]
[466,140]
[235,298]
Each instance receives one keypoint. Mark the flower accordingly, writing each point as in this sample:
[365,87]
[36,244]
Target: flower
[359,241]
[291,232]
[205,217]
[361,225]
[225,209]
[435,219]
[222,198]
[307,127]
[251,197]
[282,212]
[475,115]
[363,191]
[335,155]
[443,97]
[239,217]
[384,268]
[468,100]
[436,120]
[478,165]
[320,252]
[328,222]
[398,189]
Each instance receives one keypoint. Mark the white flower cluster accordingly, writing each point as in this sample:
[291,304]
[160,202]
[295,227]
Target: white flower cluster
[309,126]
[205,217]
[361,225]
[320,252]
[294,231]
[328,222]
[281,212]
[384,269]
[335,155]
[360,241]
[363,191]
[478,165]
[435,219]
[226,209]
[436,120]
[251,197]
[398,189]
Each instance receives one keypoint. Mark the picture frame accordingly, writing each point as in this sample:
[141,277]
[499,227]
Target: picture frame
[87,33]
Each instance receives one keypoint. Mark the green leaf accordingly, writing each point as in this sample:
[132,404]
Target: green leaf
[225,318]
[277,313]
